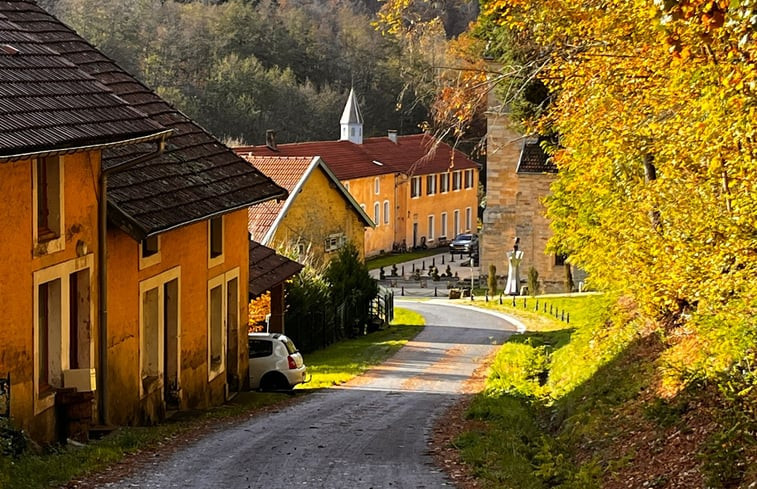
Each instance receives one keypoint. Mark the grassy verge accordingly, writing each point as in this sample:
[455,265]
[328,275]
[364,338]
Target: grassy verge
[583,405]
[389,259]
[333,365]
[347,359]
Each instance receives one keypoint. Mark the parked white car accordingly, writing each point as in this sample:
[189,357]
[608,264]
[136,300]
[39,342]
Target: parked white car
[275,363]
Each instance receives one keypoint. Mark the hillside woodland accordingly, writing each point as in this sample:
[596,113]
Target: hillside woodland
[243,67]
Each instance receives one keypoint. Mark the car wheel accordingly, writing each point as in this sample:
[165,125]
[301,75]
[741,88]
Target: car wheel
[274,382]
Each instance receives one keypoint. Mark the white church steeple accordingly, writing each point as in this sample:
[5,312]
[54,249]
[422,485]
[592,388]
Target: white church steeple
[352,121]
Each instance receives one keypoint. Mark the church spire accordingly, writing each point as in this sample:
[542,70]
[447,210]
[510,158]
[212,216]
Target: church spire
[352,121]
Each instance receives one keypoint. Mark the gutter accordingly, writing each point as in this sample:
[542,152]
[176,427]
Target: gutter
[102,250]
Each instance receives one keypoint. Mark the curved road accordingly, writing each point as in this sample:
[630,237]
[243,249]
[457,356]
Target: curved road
[370,433]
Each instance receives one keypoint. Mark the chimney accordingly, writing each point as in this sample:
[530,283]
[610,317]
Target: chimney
[393,135]
[270,139]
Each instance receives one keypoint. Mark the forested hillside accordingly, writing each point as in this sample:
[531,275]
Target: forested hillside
[242,67]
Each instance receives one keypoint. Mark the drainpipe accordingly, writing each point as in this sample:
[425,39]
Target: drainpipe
[102,250]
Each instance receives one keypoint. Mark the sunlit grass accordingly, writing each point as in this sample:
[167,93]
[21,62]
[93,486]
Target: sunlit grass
[345,360]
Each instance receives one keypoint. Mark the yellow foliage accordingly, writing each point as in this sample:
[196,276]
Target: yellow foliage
[259,308]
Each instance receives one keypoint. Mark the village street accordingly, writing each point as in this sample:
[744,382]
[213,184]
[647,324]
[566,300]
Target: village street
[370,433]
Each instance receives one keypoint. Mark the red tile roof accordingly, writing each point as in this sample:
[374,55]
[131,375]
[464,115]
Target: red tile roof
[416,154]
[285,172]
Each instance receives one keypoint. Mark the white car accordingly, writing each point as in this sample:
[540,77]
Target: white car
[275,363]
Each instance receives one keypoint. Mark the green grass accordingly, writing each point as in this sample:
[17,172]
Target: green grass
[389,259]
[333,365]
[342,361]
[545,394]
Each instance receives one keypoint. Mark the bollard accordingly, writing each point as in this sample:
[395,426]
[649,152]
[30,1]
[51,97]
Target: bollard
[486,296]
[413,267]
[562,318]
[403,290]
[452,258]
[513,301]
[567,319]
[524,303]
[435,295]
[403,271]
[433,262]
[500,299]
[545,307]
[536,307]
[442,259]
[423,265]
[550,309]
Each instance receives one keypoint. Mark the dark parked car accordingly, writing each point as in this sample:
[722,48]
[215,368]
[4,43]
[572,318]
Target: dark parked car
[464,243]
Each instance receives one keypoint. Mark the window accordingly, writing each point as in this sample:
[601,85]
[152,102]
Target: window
[376,186]
[468,218]
[415,187]
[48,204]
[376,216]
[468,178]
[159,331]
[62,326]
[149,252]
[456,180]
[386,212]
[444,182]
[215,241]
[456,221]
[430,184]
[260,348]
[334,242]
[223,319]
[430,227]
[560,259]
[444,225]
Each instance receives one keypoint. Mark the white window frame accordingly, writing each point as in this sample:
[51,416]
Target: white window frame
[148,261]
[431,226]
[377,185]
[334,242]
[377,213]
[61,340]
[444,225]
[443,183]
[386,212]
[456,221]
[469,178]
[58,243]
[157,282]
[214,261]
[430,184]
[457,176]
[221,281]
[416,187]
[468,218]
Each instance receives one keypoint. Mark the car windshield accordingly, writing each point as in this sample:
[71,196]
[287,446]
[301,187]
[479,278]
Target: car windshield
[290,345]
[464,237]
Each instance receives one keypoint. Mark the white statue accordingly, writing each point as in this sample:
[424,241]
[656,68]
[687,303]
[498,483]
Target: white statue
[513,270]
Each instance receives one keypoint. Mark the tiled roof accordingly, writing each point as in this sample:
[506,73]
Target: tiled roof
[267,269]
[533,159]
[413,154]
[197,177]
[47,103]
[289,172]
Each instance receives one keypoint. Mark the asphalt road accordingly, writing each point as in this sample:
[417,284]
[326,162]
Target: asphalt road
[370,433]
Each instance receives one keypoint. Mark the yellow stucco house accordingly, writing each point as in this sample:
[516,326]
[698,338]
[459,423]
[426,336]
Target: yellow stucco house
[317,218]
[416,189]
[126,272]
